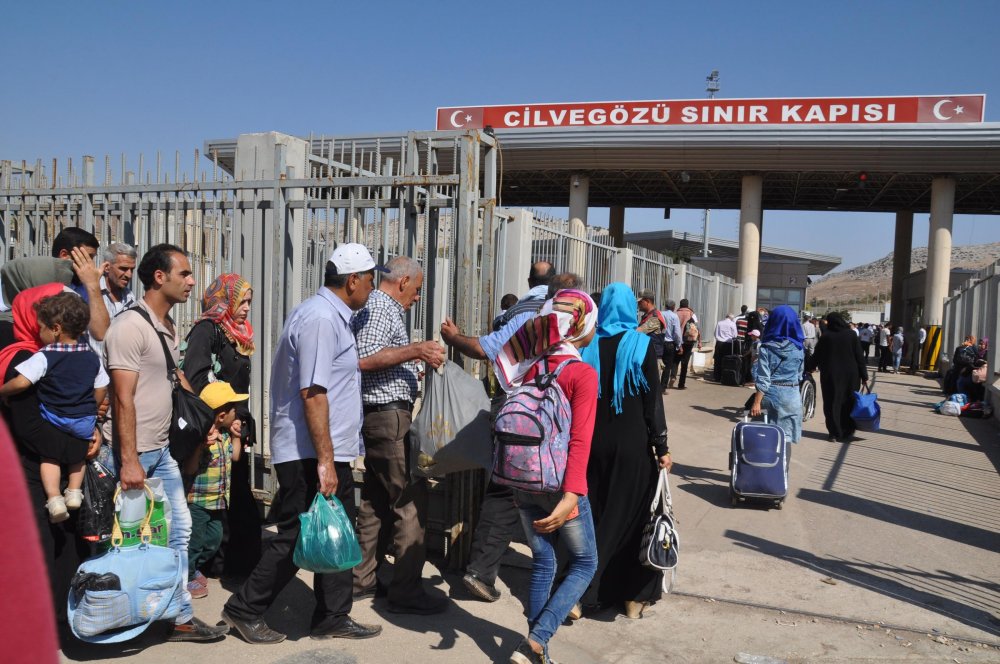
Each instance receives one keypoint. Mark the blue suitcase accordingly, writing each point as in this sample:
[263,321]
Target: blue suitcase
[758,463]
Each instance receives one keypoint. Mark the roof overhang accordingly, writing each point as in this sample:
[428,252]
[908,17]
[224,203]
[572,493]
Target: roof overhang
[803,167]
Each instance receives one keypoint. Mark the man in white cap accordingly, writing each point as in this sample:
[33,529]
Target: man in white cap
[315,434]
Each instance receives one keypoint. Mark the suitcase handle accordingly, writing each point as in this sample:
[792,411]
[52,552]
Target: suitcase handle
[746,418]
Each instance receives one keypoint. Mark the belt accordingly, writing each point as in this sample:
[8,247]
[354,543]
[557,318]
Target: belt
[785,384]
[392,405]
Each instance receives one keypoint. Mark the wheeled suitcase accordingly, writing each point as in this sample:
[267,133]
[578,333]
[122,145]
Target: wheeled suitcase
[758,463]
[732,366]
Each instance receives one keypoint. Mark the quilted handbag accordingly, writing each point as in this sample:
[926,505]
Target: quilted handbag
[115,596]
[660,542]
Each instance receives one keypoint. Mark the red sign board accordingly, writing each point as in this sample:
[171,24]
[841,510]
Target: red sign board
[811,111]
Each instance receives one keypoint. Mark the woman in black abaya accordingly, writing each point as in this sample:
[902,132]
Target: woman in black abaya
[842,370]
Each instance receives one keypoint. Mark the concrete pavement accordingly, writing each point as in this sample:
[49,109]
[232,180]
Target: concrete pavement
[900,528]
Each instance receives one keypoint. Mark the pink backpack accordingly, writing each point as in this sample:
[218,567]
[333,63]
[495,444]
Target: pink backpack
[531,435]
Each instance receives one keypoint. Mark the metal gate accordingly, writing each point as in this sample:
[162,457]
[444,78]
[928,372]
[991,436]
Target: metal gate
[273,209]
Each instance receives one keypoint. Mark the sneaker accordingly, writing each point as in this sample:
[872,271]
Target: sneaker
[74,498]
[525,655]
[56,506]
[197,590]
[200,579]
[479,588]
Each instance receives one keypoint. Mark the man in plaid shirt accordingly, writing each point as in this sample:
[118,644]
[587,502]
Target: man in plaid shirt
[390,372]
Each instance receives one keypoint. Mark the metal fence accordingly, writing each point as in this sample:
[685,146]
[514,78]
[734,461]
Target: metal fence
[272,210]
[587,254]
[651,271]
[974,309]
[698,291]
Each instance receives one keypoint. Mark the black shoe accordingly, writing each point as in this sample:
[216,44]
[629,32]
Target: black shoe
[253,631]
[480,588]
[681,387]
[348,630]
[372,591]
[196,630]
[425,606]
[525,655]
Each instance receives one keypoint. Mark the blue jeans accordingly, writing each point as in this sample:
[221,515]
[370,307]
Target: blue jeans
[159,463]
[547,610]
[897,358]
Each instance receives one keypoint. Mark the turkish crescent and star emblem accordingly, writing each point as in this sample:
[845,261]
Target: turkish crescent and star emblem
[965,108]
[460,118]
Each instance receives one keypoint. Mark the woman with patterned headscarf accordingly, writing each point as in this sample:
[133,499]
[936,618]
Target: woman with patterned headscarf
[629,448]
[564,324]
[219,347]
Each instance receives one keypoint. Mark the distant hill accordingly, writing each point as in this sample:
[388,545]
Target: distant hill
[865,282]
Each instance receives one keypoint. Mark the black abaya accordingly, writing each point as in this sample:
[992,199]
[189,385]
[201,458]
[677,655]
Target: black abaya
[842,367]
[621,479]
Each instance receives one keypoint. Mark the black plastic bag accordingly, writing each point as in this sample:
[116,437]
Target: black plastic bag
[97,514]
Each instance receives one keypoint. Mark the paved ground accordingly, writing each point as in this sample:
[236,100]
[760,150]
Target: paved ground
[887,551]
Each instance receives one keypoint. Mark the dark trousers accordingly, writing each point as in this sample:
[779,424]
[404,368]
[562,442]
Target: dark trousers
[298,482]
[884,358]
[498,519]
[669,363]
[684,359]
[864,349]
[206,536]
[393,509]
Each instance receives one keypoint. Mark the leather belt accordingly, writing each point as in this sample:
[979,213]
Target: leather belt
[785,384]
[392,405]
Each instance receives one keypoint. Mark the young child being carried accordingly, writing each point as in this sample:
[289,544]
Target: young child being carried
[211,467]
[70,383]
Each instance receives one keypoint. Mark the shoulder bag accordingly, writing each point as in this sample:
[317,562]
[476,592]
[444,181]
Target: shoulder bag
[191,419]
[660,542]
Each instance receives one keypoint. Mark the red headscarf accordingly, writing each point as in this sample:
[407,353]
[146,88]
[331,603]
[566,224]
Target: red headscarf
[26,323]
[219,304]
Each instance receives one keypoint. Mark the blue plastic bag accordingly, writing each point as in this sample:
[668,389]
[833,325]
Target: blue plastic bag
[326,543]
[867,413]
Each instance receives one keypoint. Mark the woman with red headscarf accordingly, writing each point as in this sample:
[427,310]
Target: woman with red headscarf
[219,347]
[61,549]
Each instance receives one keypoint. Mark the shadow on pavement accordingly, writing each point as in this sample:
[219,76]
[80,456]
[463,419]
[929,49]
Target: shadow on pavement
[75,650]
[454,621]
[925,523]
[924,588]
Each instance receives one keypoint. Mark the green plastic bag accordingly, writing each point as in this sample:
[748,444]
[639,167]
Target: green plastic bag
[326,543]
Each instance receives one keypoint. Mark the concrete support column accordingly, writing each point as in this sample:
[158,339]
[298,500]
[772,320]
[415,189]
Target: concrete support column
[622,270]
[616,225]
[517,258]
[751,216]
[579,197]
[939,249]
[901,251]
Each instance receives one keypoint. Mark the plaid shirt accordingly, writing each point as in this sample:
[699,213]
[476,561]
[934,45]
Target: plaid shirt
[378,326]
[67,348]
[210,488]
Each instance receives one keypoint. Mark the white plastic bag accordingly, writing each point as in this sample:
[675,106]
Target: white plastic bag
[452,431]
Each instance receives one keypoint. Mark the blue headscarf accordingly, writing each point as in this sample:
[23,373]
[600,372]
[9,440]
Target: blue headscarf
[616,315]
[783,323]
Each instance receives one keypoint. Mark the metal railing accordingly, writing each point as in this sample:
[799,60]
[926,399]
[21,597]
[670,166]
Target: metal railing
[975,309]
[651,271]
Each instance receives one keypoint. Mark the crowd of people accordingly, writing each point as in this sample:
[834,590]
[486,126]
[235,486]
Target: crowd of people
[88,370]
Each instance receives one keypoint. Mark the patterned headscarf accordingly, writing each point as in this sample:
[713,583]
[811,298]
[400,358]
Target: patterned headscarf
[26,323]
[566,318]
[219,304]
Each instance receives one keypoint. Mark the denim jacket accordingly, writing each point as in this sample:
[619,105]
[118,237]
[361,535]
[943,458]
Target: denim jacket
[780,363]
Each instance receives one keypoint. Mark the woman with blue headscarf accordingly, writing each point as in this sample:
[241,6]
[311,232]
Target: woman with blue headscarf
[778,372]
[628,448]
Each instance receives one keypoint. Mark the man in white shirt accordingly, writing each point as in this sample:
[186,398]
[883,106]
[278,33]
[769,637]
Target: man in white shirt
[809,335]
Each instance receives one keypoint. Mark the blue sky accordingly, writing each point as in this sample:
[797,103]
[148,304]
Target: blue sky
[113,77]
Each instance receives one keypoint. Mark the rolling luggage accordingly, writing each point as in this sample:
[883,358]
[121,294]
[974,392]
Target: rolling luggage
[758,463]
[732,367]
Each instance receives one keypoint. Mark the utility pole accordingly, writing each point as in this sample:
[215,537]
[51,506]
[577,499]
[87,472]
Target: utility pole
[711,87]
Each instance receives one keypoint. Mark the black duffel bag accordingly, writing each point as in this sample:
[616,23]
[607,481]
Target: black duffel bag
[191,419]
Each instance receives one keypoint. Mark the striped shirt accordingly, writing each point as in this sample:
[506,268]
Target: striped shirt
[210,489]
